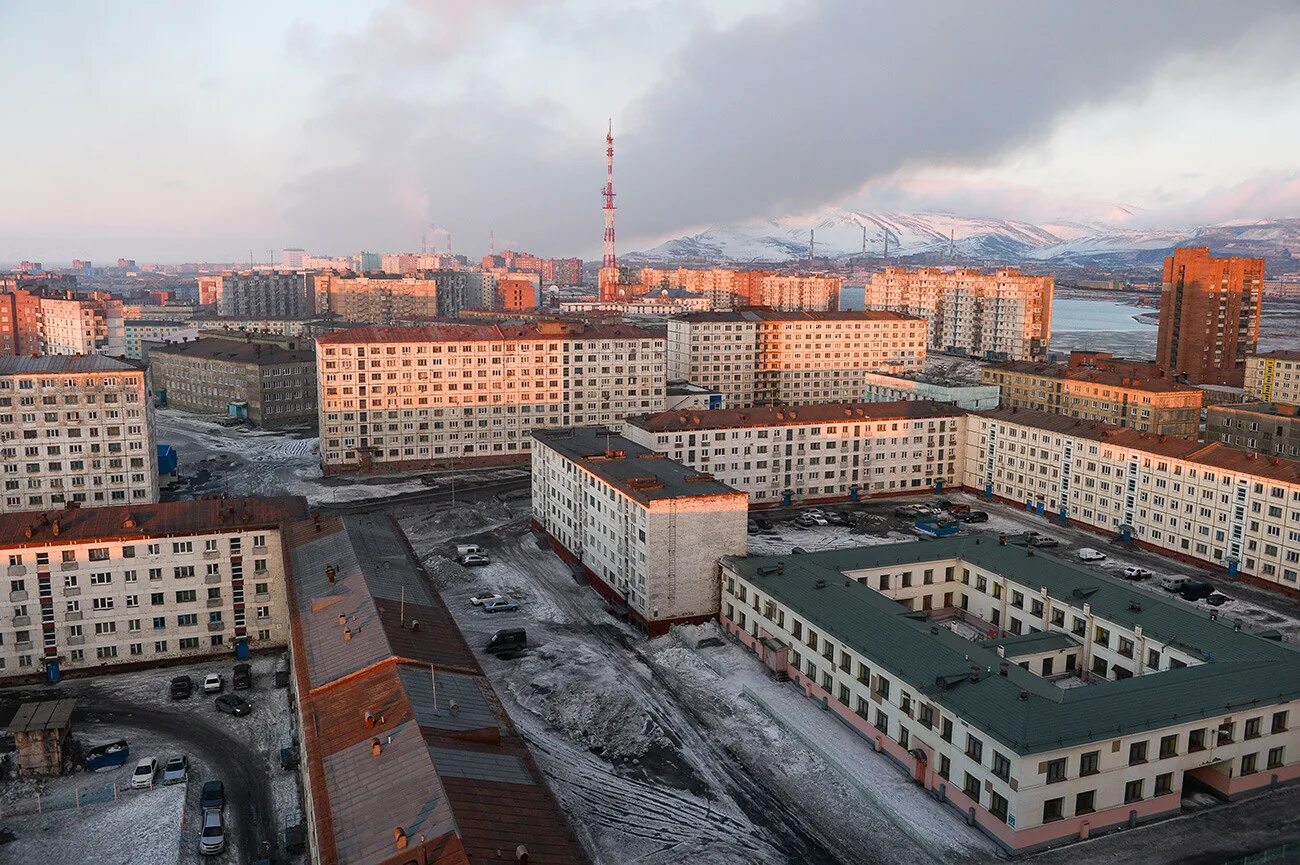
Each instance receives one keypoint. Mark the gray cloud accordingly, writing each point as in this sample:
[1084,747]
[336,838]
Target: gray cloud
[780,113]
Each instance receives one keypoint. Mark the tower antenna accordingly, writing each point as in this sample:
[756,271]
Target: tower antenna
[610,258]
[492,242]
[864,241]
[952,244]
[812,244]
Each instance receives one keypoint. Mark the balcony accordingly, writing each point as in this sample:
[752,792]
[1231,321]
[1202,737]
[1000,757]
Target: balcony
[19,595]
[214,602]
[17,570]
[264,620]
[71,591]
[76,641]
[211,554]
[21,621]
[67,566]
[73,616]
[216,626]
[23,646]
[212,579]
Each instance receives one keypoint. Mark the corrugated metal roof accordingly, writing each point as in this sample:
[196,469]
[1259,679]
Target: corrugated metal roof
[687,420]
[472,711]
[763,314]
[63,363]
[43,715]
[480,765]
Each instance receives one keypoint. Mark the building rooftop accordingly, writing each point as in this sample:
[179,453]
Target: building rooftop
[1096,375]
[762,314]
[43,715]
[1213,455]
[682,387]
[1273,409]
[453,332]
[1239,669]
[1280,354]
[1019,645]
[77,525]
[637,472]
[63,363]
[932,379]
[679,420]
[235,351]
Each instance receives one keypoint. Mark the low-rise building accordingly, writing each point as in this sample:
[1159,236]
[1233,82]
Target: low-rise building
[408,755]
[135,584]
[682,395]
[1273,377]
[1045,702]
[1123,397]
[268,385]
[75,430]
[824,452]
[647,530]
[766,357]
[143,331]
[968,395]
[1262,427]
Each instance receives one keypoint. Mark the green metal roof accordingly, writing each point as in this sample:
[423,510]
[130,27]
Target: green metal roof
[1019,645]
[1242,670]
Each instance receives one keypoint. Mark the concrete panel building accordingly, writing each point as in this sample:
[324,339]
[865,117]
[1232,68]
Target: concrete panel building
[1004,315]
[77,324]
[375,299]
[763,357]
[75,430]
[276,386]
[728,288]
[1268,428]
[967,395]
[397,399]
[135,584]
[20,322]
[647,530]
[1045,702]
[1209,315]
[1273,377]
[143,331]
[261,294]
[824,452]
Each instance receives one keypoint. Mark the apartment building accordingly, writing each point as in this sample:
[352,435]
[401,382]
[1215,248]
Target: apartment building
[726,288]
[375,299]
[20,322]
[891,388]
[647,530]
[759,356]
[1004,315]
[265,294]
[143,331]
[1044,702]
[1206,503]
[824,452]
[659,305]
[403,398]
[1269,428]
[408,755]
[1141,402]
[78,324]
[269,385]
[516,292]
[1209,315]
[75,429]
[135,584]
[1273,377]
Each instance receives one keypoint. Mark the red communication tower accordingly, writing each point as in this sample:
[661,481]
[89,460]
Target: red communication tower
[609,259]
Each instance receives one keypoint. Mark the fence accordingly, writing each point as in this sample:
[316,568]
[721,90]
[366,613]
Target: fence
[61,800]
[1285,853]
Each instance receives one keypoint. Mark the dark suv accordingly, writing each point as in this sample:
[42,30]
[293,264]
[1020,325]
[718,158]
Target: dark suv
[182,687]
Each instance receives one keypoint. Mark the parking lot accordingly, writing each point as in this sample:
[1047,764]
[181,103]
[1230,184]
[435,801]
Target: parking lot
[242,752]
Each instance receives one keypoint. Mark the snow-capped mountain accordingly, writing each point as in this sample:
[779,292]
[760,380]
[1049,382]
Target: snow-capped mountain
[920,237]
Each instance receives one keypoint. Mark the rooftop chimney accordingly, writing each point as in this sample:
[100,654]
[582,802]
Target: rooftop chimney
[347,634]
[399,838]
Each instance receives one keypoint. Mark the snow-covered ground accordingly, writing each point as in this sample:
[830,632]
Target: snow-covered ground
[817,538]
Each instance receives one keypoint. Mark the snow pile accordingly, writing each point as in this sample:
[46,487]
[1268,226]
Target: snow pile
[143,826]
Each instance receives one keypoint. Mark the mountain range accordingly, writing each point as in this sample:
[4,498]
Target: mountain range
[925,238]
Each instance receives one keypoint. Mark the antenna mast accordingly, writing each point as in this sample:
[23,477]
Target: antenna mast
[610,258]
[812,244]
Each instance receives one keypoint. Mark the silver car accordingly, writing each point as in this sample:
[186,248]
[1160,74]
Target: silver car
[213,839]
[176,770]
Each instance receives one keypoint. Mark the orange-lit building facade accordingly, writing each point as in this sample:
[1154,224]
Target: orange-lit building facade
[20,331]
[727,288]
[1209,315]
[516,293]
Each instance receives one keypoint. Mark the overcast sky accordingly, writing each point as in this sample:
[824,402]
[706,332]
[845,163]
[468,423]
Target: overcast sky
[168,131]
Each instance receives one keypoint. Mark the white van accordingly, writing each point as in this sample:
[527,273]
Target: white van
[1173,582]
[466,549]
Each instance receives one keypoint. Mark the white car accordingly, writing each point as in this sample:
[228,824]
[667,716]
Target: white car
[1135,573]
[485,597]
[470,560]
[808,521]
[1088,554]
[213,839]
[212,684]
[145,772]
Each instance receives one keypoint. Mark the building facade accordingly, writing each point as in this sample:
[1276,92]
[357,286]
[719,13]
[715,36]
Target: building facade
[648,530]
[140,583]
[20,322]
[891,388]
[1262,427]
[1004,315]
[1273,377]
[727,288]
[402,398]
[1209,314]
[375,299]
[275,386]
[140,331]
[76,324]
[1139,402]
[75,430]
[261,294]
[1045,702]
[757,356]
[826,452]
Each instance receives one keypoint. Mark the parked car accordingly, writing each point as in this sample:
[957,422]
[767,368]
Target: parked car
[233,704]
[213,838]
[507,641]
[808,521]
[1088,554]
[905,511]
[176,770]
[969,516]
[466,549]
[1194,590]
[474,560]
[941,504]
[1217,599]
[181,687]
[483,597]
[213,796]
[837,518]
[242,676]
[1135,573]
[501,605]
[145,772]
[958,510]
[1174,582]
[751,527]
[213,684]
[1043,542]
[762,523]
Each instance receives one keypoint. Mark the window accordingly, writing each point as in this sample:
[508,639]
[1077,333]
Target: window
[1055,770]
[189,643]
[1279,723]
[945,766]
[1164,783]
[1275,757]
[159,623]
[187,619]
[1227,732]
[187,596]
[1195,741]
[971,787]
[1137,753]
[101,604]
[106,652]
[926,716]
[1168,746]
[160,646]
[1002,766]
[998,806]
[945,730]
[882,721]
[1133,791]
[1088,763]
[101,579]
[1249,764]
[1253,726]
[1085,802]
[974,748]
[1053,810]
[102,628]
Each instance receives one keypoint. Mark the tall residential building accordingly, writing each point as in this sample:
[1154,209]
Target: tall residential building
[263,294]
[1209,314]
[728,288]
[648,531]
[78,324]
[760,356]
[269,385]
[376,299]
[1273,377]
[367,262]
[516,293]
[141,583]
[1119,396]
[20,322]
[398,263]
[292,259]
[75,429]
[1004,315]
[403,398]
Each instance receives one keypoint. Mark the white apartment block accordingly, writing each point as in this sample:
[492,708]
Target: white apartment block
[82,325]
[1273,377]
[825,452]
[93,587]
[407,397]
[75,429]
[891,388]
[1207,503]
[1044,701]
[761,357]
[647,530]
[1005,315]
